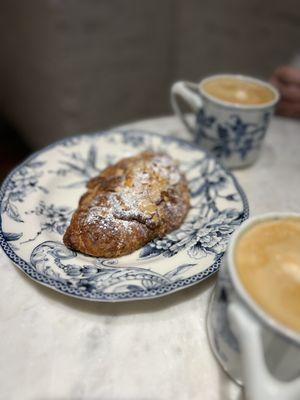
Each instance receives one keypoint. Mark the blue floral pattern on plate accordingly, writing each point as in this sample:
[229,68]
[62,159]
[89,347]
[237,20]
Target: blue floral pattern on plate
[39,196]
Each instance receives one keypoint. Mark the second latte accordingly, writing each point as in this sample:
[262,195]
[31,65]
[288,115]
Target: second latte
[238,91]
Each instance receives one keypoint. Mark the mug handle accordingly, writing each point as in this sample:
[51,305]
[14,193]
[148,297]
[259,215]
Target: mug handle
[259,383]
[187,91]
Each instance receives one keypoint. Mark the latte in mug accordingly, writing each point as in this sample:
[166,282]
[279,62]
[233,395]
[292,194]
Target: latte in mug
[267,259]
[239,91]
[232,114]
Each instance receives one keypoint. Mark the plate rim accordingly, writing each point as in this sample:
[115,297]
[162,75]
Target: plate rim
[144,294]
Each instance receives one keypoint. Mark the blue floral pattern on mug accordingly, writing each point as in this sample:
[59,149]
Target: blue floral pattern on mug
[233,136]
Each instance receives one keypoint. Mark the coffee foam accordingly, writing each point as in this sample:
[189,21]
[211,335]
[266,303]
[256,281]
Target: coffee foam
[267,259]
[238,91]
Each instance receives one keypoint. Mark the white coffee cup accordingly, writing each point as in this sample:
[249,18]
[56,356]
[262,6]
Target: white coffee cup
[232,132]
[253,348]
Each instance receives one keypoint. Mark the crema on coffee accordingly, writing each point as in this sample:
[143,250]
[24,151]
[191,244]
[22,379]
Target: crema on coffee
[267,259]
[238,91]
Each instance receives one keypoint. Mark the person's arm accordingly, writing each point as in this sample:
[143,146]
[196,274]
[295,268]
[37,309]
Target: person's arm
[287,81]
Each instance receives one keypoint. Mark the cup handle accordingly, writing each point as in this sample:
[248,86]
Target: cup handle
[186,90]
[259,383]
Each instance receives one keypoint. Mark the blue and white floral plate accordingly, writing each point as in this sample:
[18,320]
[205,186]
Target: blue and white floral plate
[38,198]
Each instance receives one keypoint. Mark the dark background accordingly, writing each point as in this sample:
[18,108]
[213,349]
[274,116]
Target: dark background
[69,66]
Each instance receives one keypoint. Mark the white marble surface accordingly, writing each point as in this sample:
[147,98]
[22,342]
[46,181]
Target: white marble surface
[55,347]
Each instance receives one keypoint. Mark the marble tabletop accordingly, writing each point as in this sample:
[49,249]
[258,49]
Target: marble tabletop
[55,347]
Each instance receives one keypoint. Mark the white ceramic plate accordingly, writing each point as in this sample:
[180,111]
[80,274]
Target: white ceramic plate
[38,198]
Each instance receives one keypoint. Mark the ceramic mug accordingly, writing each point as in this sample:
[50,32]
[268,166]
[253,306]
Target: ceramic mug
[253,348]
[232,132]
